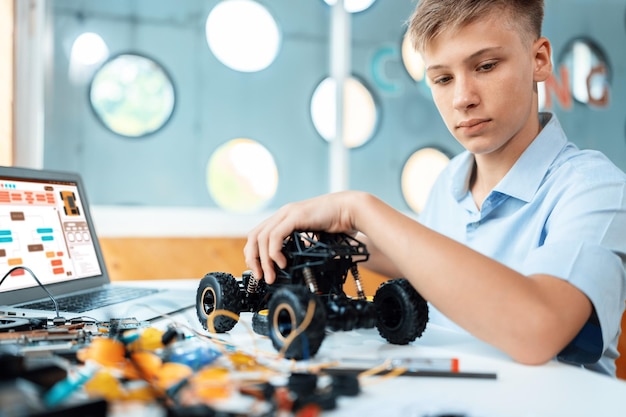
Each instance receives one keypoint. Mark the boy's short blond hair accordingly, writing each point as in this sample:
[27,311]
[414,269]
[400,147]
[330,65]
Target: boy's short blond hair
[432,17]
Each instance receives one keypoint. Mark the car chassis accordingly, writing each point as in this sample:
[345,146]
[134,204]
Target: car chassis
[307,297]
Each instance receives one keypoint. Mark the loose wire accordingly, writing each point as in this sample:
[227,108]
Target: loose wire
[54,301]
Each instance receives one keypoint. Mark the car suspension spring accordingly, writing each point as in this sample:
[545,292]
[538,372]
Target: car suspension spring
[253,283]
[357,281]
[309,279]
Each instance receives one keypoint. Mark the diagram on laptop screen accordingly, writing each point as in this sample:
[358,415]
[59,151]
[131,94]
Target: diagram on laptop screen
[43,227]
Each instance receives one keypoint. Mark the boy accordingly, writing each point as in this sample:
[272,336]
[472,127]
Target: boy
[522,240]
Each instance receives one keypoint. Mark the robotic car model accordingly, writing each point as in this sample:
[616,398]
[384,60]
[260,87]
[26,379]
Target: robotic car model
[307,297]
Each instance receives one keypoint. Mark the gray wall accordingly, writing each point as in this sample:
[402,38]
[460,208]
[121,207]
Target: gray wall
[216,104]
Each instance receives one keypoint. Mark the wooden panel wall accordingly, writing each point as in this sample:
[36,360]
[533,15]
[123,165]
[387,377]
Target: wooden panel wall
[166,258]
[6,81]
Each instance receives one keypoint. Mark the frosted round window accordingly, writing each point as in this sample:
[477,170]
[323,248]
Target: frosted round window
[89,49]
[88,52]
[360,112]
[353,6]
[132,95]
[419,174]
[242,176]
[243,35]
[588,72]
[412,60]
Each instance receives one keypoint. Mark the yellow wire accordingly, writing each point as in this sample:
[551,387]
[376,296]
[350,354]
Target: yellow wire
[394,372]
[221,312]
[375,370]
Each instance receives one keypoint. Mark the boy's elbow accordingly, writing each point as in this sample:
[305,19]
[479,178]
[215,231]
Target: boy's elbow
[532,358]
[533,352]
[540,343]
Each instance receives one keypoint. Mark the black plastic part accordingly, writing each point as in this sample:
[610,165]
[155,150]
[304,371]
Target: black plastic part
[11,362]
[366,313]
[346,385]
[87,408]
[198,410]
[341,314]
[302,383]
[402,312]
[172,334]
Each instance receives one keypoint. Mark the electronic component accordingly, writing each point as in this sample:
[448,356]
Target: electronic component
[13,324]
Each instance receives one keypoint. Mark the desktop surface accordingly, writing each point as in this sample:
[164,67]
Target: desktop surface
[553,389]
[510,389]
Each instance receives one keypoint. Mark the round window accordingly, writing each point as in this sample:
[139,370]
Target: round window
[412,60]
[88,49]
[419,175]
[360,112]
[588,71]
[242,176]
[353,6]
[243,35]
[132,95]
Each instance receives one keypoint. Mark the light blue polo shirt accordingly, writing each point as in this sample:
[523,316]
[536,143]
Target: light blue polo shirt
[559,211]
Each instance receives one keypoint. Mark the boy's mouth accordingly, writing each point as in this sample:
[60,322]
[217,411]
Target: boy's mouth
[472,126]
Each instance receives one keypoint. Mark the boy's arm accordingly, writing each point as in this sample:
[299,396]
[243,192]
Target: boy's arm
[531,318]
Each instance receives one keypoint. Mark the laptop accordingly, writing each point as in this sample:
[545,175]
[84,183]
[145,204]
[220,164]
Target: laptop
[46,230]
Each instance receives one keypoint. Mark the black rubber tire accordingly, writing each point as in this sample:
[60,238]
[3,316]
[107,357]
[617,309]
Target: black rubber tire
[260,323]
[217,291]
[402,312]
[287,310]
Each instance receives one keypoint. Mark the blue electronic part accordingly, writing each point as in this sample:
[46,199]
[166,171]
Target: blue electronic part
[63,389]
[194,355]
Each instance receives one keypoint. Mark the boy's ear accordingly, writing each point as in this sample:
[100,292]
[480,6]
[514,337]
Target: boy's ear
[543,59]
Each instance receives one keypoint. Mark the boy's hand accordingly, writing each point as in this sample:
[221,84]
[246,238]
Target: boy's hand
[329,213]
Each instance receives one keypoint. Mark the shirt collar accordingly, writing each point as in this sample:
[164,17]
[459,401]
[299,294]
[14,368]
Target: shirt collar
[528,172]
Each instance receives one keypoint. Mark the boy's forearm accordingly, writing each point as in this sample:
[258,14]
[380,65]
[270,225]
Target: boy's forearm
[378,261]
[527,317]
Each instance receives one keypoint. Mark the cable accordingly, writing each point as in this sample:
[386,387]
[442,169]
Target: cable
[54,301]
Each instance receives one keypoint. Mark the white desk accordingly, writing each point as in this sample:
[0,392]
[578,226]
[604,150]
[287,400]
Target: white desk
[550,390]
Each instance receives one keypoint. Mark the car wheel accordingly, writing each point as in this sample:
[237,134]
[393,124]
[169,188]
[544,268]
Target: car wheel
[297,321]
[260,323]
[402,312]
[217,291]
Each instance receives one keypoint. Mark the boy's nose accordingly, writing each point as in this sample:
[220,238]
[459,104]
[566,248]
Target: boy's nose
[465,95]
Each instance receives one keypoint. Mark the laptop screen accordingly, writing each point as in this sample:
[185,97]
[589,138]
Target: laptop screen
[44,226]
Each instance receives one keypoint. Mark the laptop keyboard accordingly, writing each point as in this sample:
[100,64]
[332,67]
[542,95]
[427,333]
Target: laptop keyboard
[79,303]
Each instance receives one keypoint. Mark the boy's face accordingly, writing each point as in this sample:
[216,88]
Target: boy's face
[483,83]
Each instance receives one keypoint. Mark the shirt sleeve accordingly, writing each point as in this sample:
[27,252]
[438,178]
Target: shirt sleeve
[594,270]
[585,245]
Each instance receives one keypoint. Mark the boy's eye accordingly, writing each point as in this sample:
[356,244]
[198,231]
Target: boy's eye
[488,66]
[441,80]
